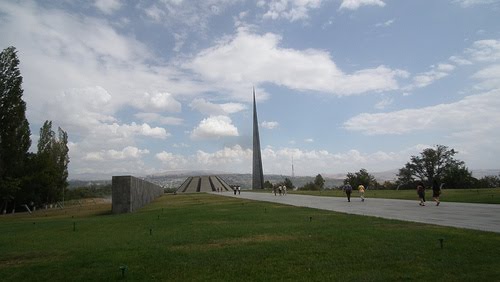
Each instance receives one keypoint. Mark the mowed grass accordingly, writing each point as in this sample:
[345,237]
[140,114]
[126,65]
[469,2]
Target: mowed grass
[203,237]
[486,196]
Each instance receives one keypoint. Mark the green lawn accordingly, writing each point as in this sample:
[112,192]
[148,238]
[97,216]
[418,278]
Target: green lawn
[487,196]
[203,237]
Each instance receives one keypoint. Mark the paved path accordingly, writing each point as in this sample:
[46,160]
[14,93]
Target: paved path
[485,217]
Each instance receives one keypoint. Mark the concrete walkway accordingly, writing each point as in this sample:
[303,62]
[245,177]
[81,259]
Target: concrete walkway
[485,217]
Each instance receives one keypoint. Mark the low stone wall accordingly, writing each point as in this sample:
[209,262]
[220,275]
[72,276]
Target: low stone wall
[130,193]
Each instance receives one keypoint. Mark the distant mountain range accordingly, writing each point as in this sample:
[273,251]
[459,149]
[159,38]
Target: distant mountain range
[174,179]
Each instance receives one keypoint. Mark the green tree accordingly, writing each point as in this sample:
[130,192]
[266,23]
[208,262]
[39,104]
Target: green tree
[361,177]
[14,127]
[268,184]
[432,164]
[52,162]
[319,181]
[288,183]
[489,181]
[458,177]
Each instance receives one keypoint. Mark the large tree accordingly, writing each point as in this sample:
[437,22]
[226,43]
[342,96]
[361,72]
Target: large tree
[52,162]
[319,181]
[432,164]
[14,127]
[361,177]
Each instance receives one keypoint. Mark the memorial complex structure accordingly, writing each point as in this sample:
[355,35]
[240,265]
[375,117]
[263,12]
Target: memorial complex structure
[257,171]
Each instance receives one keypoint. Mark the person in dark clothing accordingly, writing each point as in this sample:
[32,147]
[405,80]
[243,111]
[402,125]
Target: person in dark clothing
[348,191]
[436,191]
[421,193]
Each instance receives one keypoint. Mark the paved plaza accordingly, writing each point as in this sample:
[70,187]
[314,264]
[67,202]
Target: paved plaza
[485,217]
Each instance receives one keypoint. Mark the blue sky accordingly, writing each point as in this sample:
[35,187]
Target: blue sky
[145,87]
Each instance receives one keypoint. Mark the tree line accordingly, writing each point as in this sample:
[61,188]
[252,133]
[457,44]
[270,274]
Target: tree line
[437,163]
[26,178]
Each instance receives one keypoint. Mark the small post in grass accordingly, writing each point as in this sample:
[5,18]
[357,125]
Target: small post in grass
[123,268]
[150,231]
[310,218]
[441,240]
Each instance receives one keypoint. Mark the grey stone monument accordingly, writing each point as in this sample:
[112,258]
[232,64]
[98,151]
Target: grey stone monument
[257,172]
[130,193]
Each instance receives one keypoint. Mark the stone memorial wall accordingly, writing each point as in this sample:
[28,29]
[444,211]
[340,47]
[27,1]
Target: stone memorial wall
[130,193]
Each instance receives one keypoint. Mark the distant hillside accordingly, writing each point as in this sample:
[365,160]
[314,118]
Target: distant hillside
[173,179]
[243,180]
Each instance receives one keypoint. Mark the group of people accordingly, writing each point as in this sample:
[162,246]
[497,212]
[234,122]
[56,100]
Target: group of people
[348,191]
[237,189]
[281,189]
[436,192]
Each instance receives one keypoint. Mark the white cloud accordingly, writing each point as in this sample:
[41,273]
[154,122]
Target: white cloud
[155,117]
[250,57]
[473,113]
[128,152]
[485,50]
[356,4]
[269,124]
[225,158]
[384,103]
[459,60]
[194,16]
[208,108]
[386,23]
[290,10]
[172,161]
[309,140]
[154,13]
[489,77]
[214,127]
[469,3]
[160,102]
[107,6]
[437,72]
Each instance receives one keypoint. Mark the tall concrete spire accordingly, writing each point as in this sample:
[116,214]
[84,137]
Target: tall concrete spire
[257,172]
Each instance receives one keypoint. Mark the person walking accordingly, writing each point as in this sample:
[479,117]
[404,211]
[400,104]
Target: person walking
[239,190]
[436,191]
[348,191]
[421,193]
[361,190]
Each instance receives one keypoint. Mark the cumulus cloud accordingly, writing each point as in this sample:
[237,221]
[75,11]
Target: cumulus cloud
[269,124]
[384,103]
[227,156]
[424,79]
[128,152]
[160,102]
[158,118]
[469,3]
[476,112]
[172,161]
[185,15]
[489,77]
[214,127]
[356,4]
[290,10]
[485,51]
[258,58]
[208,108]
[107,6]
